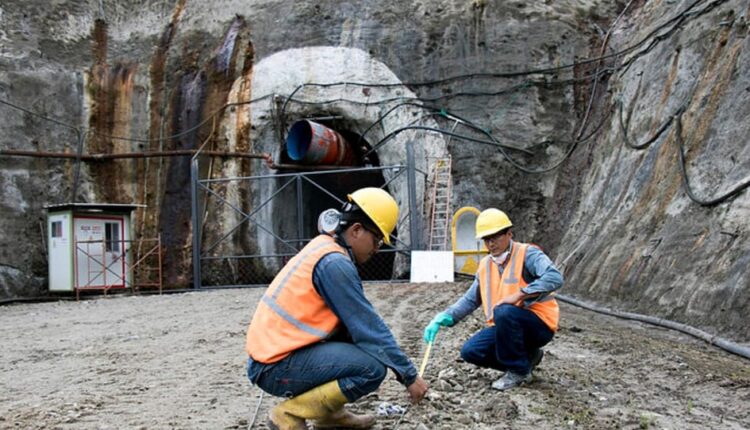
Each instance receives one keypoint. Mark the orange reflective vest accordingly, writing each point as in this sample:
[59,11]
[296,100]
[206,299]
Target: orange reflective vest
[291,313]
[493,287]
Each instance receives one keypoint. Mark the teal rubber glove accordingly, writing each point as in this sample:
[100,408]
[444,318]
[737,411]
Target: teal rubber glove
[441,319]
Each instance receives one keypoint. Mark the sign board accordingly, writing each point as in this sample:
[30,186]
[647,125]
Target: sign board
[431,266]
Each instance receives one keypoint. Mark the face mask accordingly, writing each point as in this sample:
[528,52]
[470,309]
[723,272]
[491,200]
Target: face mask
[500,259]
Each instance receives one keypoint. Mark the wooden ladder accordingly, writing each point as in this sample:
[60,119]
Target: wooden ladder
[441,204]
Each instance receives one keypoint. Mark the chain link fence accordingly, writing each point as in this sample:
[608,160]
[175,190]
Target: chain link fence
[249,227]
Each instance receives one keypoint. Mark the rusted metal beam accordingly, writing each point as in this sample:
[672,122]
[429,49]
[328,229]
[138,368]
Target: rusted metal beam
[145,154]
[306,167]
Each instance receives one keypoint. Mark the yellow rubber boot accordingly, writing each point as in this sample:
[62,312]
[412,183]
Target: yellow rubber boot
[340,417]
[324,403]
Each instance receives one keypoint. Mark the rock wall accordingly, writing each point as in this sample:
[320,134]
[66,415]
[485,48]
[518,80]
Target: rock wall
[634,239]
[616,217]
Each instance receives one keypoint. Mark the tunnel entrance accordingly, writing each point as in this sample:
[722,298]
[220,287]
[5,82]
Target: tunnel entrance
[328,144]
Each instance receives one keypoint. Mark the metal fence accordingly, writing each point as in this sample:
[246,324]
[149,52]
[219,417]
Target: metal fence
[249,227]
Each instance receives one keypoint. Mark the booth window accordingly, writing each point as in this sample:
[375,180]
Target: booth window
[56,228]
[112,236]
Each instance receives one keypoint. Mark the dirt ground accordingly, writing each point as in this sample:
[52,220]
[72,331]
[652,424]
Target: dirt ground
[177,361]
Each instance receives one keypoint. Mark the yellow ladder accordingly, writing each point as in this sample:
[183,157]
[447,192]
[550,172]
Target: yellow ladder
[441,204]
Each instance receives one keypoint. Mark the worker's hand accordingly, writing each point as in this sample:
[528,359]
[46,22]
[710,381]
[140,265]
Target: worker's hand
[441,319]
[417,390]
[515,299]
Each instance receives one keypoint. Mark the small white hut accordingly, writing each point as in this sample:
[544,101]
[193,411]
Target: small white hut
[89,246]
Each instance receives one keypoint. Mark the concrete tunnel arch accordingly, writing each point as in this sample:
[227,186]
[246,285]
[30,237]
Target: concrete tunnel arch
[277,76]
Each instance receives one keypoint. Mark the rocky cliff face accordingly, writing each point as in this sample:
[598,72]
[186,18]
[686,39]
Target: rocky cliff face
[591,100]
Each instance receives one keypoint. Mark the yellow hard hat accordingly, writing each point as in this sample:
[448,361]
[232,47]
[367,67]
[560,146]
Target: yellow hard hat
[380,207]
[490,221]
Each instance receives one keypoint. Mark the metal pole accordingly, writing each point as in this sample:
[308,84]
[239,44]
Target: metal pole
[196,225]
[300,224]
[414,230]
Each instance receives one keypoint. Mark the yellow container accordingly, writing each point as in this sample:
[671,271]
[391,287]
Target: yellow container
[467,249]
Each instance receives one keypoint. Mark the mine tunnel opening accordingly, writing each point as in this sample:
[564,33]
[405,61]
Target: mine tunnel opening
[336,160]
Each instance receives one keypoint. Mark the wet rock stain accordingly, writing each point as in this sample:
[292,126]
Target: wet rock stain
[243,128]
[710,92]
[150,182]
[202,94]
[110,89]
[174,217]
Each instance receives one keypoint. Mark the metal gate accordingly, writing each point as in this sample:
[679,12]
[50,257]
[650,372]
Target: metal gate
[274,216]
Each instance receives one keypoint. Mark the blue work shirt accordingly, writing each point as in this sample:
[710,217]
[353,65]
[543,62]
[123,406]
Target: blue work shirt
[539,272]
[336,279]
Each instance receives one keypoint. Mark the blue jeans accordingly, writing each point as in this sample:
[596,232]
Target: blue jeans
[357,372]
[508,345]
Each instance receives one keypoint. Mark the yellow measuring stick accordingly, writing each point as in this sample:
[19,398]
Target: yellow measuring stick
[424,360]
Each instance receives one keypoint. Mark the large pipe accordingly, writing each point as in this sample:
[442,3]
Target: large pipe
[312,143]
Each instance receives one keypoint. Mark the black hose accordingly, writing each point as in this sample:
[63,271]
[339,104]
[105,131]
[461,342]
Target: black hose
[722,343]
[676,119]
[686,183]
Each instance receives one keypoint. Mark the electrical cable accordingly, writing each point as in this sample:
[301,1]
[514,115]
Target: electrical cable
[657,38]
[471,125]
[257,409]
[406,99]
[686,182]
[653,35]
[718,341]
[38,115]
[594,85]
[426,106]
[676,118]
[665,125]
[513,162]
[677,19]
[436,111]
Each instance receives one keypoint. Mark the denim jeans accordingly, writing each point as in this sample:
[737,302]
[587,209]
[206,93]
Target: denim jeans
[356,372]
[517,333]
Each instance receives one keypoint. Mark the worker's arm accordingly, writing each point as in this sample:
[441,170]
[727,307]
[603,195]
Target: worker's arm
[336,280]
[544,277]
[466,304]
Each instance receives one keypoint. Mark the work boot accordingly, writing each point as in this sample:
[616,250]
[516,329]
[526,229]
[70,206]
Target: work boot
[281,418]
[324,403]
[535,357]
[345,419]
[511,379]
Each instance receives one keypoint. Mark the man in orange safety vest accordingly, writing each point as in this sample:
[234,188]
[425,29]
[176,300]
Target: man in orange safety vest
[514,286]
[316,338]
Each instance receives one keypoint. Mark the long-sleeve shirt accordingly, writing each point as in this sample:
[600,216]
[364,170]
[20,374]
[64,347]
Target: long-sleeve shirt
[336,280]
[539,273]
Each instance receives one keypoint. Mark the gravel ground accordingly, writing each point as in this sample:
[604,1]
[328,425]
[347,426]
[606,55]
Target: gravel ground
[176,361]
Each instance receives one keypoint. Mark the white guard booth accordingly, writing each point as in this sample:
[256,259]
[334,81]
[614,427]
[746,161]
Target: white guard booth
[88,246]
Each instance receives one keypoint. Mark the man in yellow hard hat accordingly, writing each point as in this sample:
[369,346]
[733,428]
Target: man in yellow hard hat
[514,287]
[316,338]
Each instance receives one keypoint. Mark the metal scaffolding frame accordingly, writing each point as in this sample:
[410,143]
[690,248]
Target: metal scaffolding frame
[202,251]
[102,266]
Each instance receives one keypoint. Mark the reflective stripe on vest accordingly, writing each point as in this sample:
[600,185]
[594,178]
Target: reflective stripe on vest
[493,287]
[291,313]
